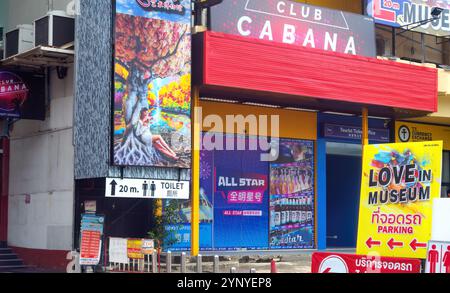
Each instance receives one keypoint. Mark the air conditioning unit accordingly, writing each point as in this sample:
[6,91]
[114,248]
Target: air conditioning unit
[56,29]
[19,40]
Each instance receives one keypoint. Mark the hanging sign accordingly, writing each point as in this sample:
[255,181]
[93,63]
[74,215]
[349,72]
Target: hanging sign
[91,239]
[399,182]
[354,133]
[22,95]
[296,24]
[147,188]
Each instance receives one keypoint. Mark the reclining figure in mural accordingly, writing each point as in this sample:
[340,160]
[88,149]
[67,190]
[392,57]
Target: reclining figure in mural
[144,134]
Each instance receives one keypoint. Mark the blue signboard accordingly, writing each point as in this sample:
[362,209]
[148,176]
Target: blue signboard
[180,228]
[354,133]
[241,200]
[409,13]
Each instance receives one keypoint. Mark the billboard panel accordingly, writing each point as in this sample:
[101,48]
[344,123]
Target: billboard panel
[399,183]
[152,84]
[296,23]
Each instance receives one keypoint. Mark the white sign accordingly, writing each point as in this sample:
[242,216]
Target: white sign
[438,257]
[440,230]
[118,250]
[147,188]
[90,206]
[333,264]
[148,246]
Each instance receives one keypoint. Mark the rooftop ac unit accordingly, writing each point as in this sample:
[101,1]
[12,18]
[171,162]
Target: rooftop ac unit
[56,29]
[19,40]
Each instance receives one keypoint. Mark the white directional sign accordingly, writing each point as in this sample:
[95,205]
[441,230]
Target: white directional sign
[147,188]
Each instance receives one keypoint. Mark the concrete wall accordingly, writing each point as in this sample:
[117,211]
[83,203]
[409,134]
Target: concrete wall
[41,162]
[41,166]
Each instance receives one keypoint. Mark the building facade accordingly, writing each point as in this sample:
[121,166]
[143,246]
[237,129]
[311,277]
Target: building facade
[311,80]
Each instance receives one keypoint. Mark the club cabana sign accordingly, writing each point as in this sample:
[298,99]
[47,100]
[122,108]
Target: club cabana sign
[296,23]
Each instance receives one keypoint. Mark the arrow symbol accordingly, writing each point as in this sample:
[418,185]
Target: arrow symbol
[113,187]
[326,271]
[414,245]
[370,242]
[392,244]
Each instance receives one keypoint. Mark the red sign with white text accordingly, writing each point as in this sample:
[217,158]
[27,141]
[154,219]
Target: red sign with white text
[323,263]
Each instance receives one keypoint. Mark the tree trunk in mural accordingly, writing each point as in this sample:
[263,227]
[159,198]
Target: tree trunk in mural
[147,50]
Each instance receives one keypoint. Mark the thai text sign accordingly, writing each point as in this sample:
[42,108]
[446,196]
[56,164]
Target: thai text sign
[91,239]
[134,249]
[399,182]
[409,14]
[297,24]
[348,263]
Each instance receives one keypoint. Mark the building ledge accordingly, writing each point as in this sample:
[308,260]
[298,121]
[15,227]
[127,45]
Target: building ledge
[40,57]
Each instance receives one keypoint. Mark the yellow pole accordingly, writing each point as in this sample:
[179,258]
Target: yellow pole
[195,173]
[365,126]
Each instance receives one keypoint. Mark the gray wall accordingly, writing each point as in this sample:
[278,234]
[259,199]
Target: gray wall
[26,11]
[3,14]
[93,81]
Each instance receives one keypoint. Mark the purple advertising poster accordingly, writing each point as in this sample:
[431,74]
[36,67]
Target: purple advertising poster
[292,196]
[296,23]
[241,199]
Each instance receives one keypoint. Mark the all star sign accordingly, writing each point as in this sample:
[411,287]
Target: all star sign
[298,24]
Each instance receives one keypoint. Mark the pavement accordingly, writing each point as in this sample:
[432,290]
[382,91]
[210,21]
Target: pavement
[243,261]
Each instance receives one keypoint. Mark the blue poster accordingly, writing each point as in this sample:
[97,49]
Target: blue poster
[180,227]
[241,200]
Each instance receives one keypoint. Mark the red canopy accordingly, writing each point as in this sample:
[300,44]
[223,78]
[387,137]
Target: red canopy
[240,66]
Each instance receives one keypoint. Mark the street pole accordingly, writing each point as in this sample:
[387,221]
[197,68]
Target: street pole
[195,173]
[365,127]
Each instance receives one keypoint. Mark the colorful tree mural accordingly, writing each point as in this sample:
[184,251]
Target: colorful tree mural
[152,71]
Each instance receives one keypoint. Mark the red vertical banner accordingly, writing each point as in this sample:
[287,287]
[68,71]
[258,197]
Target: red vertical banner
[4,172]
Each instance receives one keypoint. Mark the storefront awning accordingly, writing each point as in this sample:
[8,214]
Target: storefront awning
[244,68]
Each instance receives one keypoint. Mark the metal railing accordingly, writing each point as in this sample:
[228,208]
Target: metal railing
[164,263]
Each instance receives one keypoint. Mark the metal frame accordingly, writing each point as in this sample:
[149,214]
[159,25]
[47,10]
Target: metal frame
[41,56]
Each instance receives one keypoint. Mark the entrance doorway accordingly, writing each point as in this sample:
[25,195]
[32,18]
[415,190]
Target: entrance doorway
[343,191]
[124,217]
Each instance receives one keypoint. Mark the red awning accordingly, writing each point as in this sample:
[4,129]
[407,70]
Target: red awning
[249,67]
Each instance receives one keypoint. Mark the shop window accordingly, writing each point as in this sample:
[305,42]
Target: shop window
[445,189]
[249,203]
[412,46]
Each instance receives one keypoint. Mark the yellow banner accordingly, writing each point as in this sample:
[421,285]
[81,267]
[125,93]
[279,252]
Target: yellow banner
[134,247]
[417,132]
[398,184]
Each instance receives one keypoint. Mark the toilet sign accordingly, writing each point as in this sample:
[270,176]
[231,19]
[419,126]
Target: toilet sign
[438,258]
[147,188]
